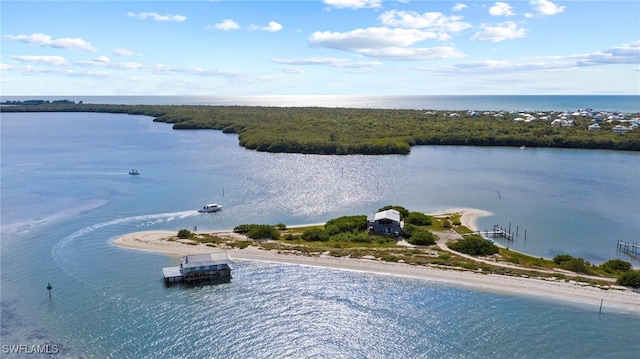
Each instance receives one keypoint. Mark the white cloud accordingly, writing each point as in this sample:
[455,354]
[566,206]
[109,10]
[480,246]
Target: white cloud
[61,43]
[157,17]
[4,66]
[626,54]
[354,4]
[227,24]
[41,59]
[459,7]
[103,59]
[546,7]
[328,61]
[386,43]
[293,70]
[369,38]
[501,9]
[429,20]
[403,53]
[504,31]
[272,27]
[123,52]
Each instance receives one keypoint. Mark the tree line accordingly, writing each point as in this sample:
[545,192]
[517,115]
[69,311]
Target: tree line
[344,131]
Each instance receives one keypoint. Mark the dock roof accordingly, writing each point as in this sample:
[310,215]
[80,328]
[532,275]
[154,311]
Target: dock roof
[205,259]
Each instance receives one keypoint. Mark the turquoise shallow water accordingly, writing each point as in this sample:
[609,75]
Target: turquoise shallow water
[66,193]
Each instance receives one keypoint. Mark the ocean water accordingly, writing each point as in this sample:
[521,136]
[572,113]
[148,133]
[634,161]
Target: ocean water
[66,194]
[628,103]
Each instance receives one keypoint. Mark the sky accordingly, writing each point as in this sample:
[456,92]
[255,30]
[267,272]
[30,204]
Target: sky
[319,47]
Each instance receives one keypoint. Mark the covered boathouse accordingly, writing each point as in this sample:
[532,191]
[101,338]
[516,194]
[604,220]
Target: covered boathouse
[200,267]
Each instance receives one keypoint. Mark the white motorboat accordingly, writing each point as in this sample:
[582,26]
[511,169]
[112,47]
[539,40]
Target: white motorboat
[134,172]
[210,208]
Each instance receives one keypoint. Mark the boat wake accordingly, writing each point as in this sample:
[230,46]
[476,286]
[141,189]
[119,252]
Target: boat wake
[143,221]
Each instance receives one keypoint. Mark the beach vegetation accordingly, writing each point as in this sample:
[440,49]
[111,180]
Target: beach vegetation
[630,279]
[315,235]
[345,131]
[616,265]
[263,231]
[422,237]
[418,218]
[346,224]
[474,245]
[577,265]
[258,231]
[562,258]
[184,234]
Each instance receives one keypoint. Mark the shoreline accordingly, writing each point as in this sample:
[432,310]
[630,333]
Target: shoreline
[571,291]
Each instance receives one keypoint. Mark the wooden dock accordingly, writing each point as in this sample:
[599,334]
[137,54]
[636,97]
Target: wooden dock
[497,232]
[633,248]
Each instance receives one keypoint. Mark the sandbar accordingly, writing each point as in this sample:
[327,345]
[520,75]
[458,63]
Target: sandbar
[615,296]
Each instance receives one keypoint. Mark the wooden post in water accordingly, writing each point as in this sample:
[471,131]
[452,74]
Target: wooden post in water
[601,300]
[525,234]
[49,287]
[222,192]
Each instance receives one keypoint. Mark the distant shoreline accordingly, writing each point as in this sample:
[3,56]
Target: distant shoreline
[358,131]
[155,241]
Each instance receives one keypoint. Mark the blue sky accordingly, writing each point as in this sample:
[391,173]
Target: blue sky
[323,47]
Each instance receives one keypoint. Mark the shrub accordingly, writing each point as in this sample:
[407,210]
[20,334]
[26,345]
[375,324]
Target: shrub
[243,228]
[616,265]
[446,223]
[263,231]
[630,279]
[346,224]
[409,229]
[184,233]
[362,237]
[315,234]
[422,237]
[562,258]
[417,218]
[474,245]
[578,265]
[281,226]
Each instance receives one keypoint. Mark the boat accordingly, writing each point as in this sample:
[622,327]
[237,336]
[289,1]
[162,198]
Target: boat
[134,172]
[210,208]
[523,147]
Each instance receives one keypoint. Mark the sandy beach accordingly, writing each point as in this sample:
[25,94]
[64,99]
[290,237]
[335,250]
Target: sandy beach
[618,297]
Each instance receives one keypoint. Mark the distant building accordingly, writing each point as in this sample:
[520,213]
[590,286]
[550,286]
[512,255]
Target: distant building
[200,267]
[386,222]
[621,129]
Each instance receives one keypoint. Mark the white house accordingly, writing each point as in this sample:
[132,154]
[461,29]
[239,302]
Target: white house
[621,129]
[386,222]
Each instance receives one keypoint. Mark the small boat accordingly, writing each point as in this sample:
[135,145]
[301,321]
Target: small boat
[210,208]
[134,172]
[523,147]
